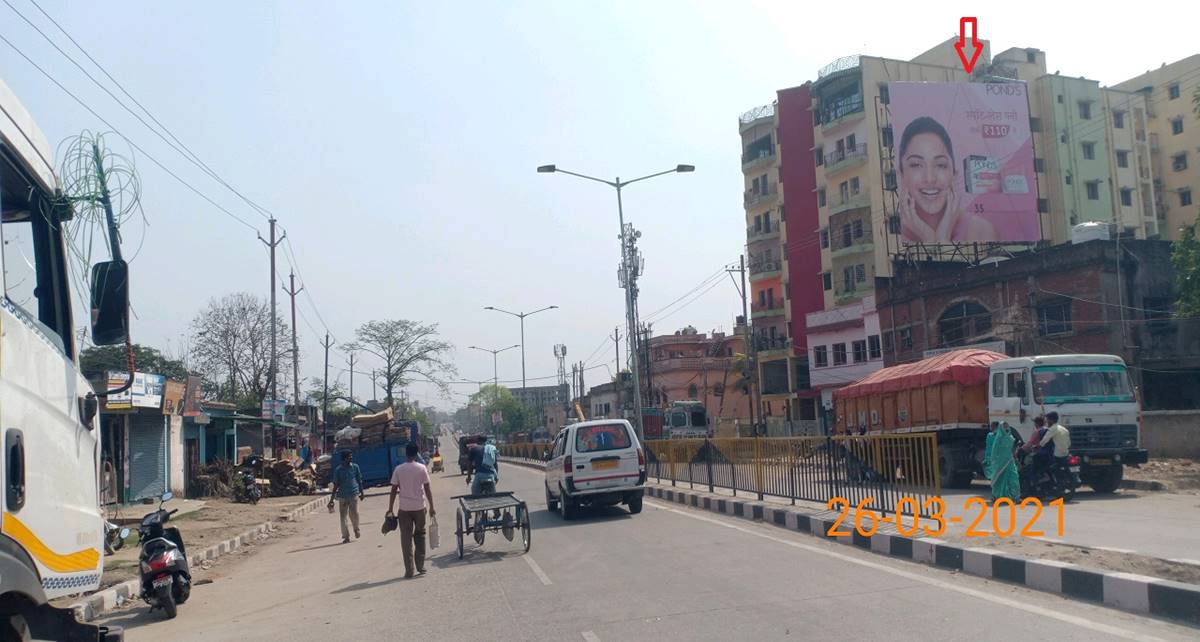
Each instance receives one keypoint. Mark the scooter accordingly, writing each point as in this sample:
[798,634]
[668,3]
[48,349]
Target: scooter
[166,580]
[114,536]
[1060,479]
[437,463]
[248,490]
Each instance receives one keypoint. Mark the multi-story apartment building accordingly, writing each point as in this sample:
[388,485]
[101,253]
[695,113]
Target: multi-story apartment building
[691,365]
[1174,139]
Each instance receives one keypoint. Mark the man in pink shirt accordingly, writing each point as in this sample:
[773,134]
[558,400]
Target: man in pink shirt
[411,482]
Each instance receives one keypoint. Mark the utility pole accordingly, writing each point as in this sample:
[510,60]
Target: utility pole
[646,360]
[617,340]
[751,352]
[374,391]
[325,396]
[352,375]
[272,371]
[292,292]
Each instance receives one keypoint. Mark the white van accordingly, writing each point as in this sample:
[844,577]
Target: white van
[598,463]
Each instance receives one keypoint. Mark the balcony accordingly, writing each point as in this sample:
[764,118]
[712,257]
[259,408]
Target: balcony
[768,347]
[753,198]
[692,363]
[840,111]
[853,202]
[841,159]
[765,269]
[753,158]
[764,233]
[774,309]
[858,248]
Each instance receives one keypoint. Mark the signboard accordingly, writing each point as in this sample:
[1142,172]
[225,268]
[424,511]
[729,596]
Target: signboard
[497,418]
[994,346]
[191,398]
[280,406]
[146,392]
[964,163]
[173,398]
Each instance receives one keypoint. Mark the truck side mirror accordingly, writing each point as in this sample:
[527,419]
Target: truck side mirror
[110,302]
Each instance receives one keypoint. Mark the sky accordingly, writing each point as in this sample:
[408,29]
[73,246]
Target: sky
[396,142]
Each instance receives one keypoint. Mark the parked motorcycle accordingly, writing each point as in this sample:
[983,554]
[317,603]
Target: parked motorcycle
[114,536]
[166,580]
[247,489]
[1060,479]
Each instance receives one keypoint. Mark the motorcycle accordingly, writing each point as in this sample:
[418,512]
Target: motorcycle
[247,489]
[437,463]
[1060,479]
[114,536]
[165,577]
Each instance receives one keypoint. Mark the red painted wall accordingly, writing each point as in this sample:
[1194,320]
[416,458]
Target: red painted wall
[798,178]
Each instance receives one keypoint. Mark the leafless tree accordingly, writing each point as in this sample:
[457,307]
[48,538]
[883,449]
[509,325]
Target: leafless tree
[409,351]
[231,343]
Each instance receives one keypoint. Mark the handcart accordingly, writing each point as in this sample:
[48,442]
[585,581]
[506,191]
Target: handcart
[496,512]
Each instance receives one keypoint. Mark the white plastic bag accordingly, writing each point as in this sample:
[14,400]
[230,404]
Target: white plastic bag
[433,532]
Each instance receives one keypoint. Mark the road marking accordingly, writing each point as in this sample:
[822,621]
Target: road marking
[1079,621]
[590,637]
[537,570]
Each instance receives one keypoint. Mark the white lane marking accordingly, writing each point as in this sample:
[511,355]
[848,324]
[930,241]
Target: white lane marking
[1082,622]
[590,637]
[537,570]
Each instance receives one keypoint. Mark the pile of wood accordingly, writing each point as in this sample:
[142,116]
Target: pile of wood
[323,471]
[285,479]
[373,428]
[214,480]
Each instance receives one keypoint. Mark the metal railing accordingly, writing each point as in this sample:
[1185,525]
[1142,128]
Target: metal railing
[839,155]
[764,265]
[881,468]
[751,157]
[753,197]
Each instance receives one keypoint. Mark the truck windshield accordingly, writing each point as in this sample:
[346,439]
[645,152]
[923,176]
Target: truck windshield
[679,419]
[1081,384]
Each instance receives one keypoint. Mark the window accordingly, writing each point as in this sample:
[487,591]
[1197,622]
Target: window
[1185,197]
[1126,197]
[1043,205]
[1179,162]
[1060,99]
[847,235]
[824,238]
[884,95]
[1177,125]
[692,391]
[1089,151]
[820,356]
[29,255]
[860,351]
[858,229]
[770,298]
[1068,179]
[1016,385]
[851,143]
[860,273]
[839,354]
[873,347]
[767,222]
[888,342]
[1172,91]
[844,190]
[963,321]
[819,153]
[1085,109]
[998,384]
[827,280]
[887,136]
[1093,190]
[1122,158]
[1054,318]
[602,437]
[905,338]
[1035,125]
[821,197]
[762,299]
[1118,120]
[848,279]
[854,185]
[1081,384]
[893,224]
[1030,56]
[758,223]
[1039,165]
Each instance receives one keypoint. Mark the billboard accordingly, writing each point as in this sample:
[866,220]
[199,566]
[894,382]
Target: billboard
[964,163]
[146,392]
[173,395]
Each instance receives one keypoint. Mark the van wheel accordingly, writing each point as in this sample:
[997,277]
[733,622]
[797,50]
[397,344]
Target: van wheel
[551,503]
[1107,480]
[566,506]
[635,505]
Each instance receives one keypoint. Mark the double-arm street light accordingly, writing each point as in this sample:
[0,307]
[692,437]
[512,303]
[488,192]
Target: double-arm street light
[521,316]
[628,283]
[495,370]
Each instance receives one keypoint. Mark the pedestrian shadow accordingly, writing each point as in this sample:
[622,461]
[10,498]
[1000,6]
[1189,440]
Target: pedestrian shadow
[364,586]
[317,548]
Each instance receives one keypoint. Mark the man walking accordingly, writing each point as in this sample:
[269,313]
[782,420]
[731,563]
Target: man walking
[348,489]
[411,482]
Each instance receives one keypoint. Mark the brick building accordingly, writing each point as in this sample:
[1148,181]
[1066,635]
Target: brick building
[1063,299]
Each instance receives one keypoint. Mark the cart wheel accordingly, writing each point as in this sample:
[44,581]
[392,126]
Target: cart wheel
[458,519]
[479,529]
[526,530]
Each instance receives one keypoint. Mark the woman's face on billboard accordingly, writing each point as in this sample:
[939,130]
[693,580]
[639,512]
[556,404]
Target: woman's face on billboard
[928,172]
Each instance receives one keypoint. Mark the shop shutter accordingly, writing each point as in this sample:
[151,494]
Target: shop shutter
[147,456]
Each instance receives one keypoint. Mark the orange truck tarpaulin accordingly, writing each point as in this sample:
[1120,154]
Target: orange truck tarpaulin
[967,367]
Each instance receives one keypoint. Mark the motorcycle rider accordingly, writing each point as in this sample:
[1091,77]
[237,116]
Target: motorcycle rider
[1055,446]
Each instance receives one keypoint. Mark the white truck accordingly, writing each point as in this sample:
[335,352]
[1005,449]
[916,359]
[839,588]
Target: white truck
[51,526]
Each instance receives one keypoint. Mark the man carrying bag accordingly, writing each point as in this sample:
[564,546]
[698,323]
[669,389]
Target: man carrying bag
[410,481]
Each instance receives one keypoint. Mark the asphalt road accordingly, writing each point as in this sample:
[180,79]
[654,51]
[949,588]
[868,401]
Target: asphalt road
[668,573]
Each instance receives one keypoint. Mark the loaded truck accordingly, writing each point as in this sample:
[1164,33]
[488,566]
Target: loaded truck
[378,457]
[51,526]
[959,394]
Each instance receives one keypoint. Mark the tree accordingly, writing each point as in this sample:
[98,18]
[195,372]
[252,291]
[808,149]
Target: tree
[231,344]
[407,349]
[97,360]
[515,416]
[1186,259]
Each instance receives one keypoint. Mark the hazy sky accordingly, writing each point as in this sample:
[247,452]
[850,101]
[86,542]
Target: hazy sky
[397,142]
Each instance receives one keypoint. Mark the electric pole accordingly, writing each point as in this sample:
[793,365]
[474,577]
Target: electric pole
[751,352]
[352,375]
[272,371]
[325,397]
[292,292]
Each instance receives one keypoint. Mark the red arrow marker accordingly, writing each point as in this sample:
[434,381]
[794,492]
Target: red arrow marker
[977,48]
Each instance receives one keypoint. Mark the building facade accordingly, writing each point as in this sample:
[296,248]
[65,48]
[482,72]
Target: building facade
[695,366]
[541,396]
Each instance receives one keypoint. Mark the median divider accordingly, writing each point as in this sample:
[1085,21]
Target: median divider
[1126,591]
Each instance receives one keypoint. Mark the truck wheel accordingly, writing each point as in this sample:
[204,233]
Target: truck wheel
[14,627]
[1107,480]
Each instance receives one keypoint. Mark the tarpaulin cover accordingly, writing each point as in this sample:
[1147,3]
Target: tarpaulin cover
[968,367]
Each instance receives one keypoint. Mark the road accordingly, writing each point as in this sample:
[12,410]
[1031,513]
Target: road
[668,573]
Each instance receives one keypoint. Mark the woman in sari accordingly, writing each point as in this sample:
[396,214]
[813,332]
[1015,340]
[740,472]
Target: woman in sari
[1000,465]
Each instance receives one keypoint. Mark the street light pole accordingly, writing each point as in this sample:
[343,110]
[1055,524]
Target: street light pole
[495,368]
[521,316]
[627,274]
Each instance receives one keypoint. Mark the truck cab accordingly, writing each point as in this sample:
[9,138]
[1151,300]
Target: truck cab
[1094,399]
[687,420]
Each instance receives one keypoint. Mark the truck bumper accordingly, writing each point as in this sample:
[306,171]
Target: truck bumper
[1129,456]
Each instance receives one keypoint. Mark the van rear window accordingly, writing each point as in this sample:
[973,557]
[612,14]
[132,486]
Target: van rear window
[590,439]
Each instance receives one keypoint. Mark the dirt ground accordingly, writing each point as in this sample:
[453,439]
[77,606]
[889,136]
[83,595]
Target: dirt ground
[219,520]
[1179,475]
